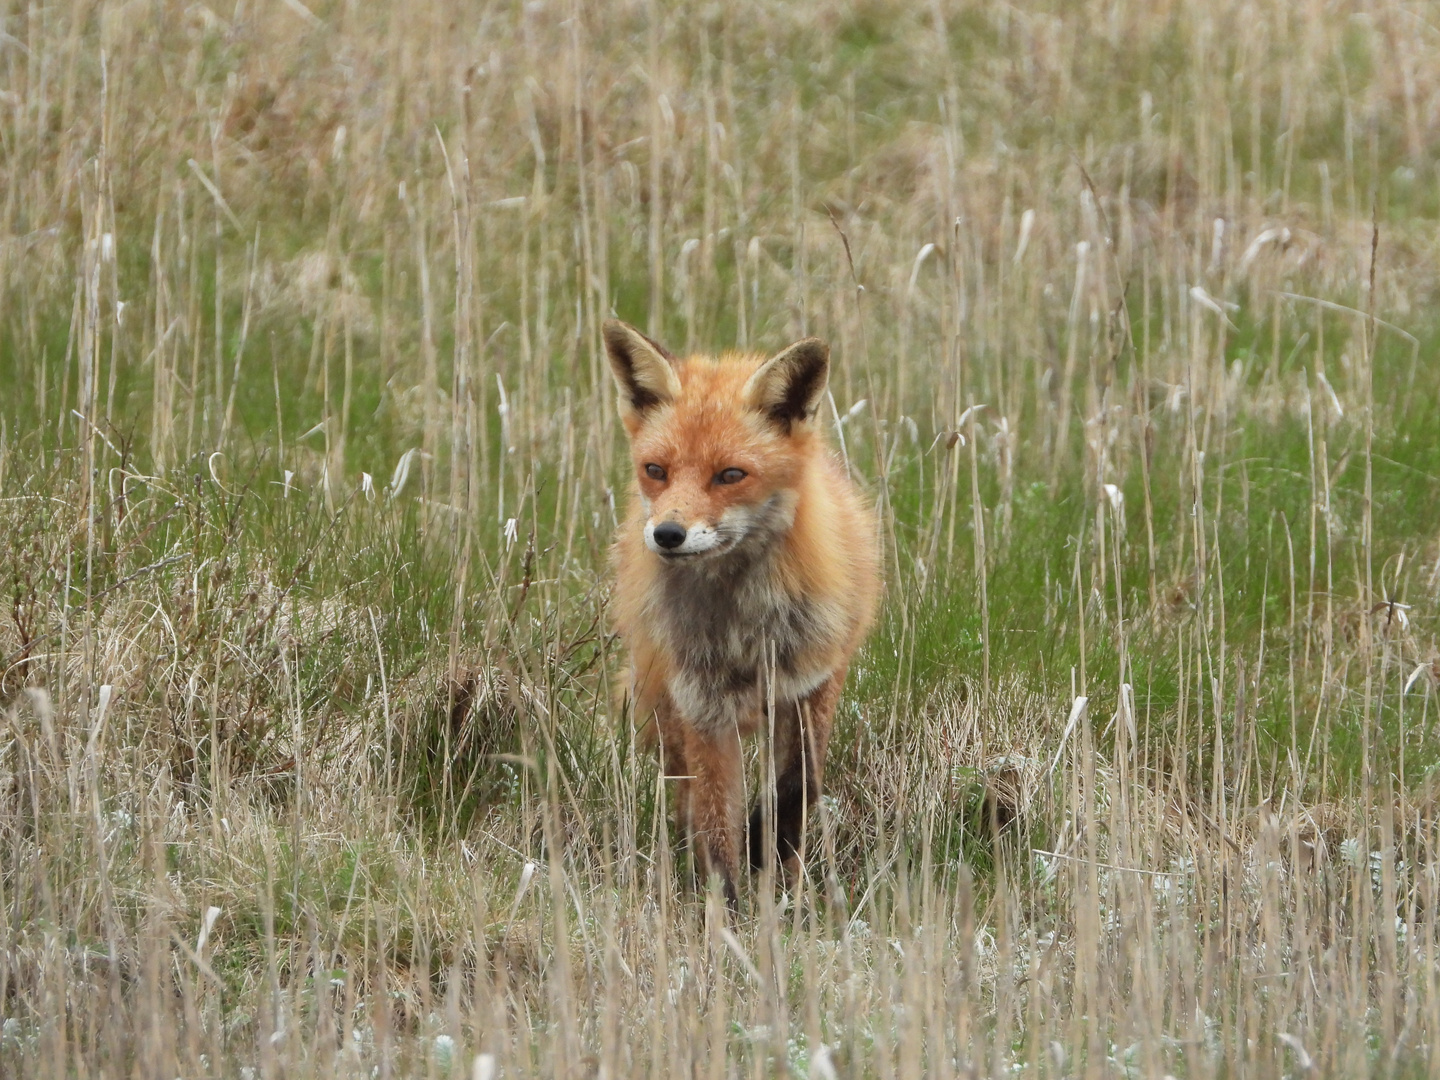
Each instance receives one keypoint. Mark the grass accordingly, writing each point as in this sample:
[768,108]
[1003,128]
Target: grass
[311,762]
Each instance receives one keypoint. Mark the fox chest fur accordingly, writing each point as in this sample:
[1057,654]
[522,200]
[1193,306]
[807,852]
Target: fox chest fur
[737,639]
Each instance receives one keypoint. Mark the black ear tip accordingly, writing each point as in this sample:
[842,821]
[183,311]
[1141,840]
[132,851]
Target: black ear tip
[813,349]
[620,338]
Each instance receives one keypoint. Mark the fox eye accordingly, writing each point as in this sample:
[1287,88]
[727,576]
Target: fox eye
[730,476]
[654,472]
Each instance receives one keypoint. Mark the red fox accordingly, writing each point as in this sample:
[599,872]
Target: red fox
[747,573]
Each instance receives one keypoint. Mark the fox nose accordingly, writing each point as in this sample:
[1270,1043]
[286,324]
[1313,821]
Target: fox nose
[669,535]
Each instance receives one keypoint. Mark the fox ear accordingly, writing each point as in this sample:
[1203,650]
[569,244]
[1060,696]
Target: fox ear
[643,370]
[788,387]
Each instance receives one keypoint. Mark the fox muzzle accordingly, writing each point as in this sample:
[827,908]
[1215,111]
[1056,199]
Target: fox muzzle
[671,539]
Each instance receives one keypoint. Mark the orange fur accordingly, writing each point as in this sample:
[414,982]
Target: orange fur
[770,588]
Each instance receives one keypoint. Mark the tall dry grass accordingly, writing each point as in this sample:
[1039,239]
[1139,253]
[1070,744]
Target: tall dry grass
[308,469]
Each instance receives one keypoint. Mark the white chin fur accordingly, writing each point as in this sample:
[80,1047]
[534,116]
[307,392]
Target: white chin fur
[698,540]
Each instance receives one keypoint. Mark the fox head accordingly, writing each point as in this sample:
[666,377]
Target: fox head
[719,446]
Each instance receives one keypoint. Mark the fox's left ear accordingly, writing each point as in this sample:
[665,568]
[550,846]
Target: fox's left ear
[788,387]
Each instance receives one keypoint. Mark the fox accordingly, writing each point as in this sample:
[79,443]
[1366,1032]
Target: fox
[747,574]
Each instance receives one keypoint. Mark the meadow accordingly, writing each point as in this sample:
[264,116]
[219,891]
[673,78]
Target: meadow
[314,759]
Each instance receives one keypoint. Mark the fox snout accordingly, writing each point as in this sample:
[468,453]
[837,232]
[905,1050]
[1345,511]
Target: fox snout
[669,535]
[671,538]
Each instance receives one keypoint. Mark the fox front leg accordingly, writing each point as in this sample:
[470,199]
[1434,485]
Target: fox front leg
[714,804]
[673,761]
[802,737]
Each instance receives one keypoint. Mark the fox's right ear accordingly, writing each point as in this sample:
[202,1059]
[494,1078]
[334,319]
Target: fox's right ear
[643,371]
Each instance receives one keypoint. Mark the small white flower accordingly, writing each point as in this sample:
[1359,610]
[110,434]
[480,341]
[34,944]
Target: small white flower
[402,471]
[821,1065]
[444,1051]
[1027,223]
[207,924]
[1350,852]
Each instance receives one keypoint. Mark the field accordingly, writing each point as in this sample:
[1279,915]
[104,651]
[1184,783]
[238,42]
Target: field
[313,758]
